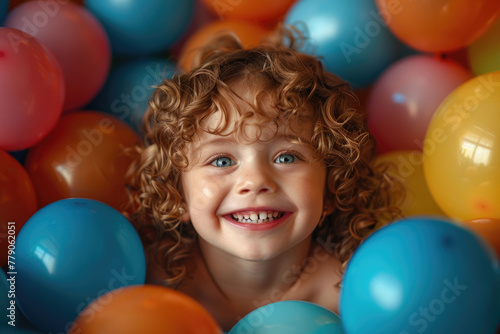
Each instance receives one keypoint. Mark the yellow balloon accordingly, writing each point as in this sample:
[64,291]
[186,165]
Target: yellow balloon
[407,166]
[462,150]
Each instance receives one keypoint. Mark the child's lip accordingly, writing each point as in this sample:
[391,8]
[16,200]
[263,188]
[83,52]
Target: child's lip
[256,209]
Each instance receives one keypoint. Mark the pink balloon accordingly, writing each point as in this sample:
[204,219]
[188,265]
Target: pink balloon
[405,97]
[76,38]
[31,90]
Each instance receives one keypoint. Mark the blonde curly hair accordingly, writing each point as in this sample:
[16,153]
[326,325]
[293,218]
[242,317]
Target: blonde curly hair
[361,195]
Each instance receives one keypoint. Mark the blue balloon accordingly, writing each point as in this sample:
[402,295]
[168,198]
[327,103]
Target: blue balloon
[289,317]
[13,321]
[4,8]
[350,37]
[136,27]
[69,253]
[421,275]
[129,86]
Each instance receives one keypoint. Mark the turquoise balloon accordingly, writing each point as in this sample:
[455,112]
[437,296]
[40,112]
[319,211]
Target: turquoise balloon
[69,253]
[137,27]
[289,317]
[421,275]
[129,86]
[349,36]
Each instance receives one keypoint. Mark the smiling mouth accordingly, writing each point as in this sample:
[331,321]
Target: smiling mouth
[257,217]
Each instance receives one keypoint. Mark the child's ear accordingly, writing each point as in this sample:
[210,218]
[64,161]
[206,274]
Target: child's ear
[328,206]
[184,215]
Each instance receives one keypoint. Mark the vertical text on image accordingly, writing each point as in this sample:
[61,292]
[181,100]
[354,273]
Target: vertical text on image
[11,266]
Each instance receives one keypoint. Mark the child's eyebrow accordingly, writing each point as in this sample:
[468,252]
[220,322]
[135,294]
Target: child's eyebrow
[224,140]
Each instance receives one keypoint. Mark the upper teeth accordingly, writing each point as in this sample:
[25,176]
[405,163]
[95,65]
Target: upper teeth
[256,217]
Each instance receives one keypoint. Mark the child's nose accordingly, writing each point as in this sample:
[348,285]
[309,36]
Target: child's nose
[256,180]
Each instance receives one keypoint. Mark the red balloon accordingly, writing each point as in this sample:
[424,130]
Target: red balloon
[84,156]
[405,97]
[76,38]
[17,201]
[31,90]
[151,309]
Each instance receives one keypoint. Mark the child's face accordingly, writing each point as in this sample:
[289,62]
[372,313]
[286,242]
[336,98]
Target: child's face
[230,184]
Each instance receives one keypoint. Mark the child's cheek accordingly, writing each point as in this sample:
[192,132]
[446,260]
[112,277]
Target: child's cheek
[201,194]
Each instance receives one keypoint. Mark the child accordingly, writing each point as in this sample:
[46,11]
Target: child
[255,185]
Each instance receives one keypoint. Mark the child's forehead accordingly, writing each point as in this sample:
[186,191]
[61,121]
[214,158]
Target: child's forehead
[255,127]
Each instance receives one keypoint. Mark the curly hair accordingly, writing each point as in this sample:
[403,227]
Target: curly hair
[296,86]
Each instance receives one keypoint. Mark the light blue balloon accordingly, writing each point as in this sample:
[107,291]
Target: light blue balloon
[349,36]
[421,275]
[69,253]
[129,86]
[289,317]
[137,27]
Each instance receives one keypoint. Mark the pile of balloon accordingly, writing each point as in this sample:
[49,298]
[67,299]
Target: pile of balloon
[75,78]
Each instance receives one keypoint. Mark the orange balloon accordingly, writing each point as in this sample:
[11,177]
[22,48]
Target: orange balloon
[84,156]
[259,10]
[249,35]
[17,201]
[151,309]
[488,229]
[439,26]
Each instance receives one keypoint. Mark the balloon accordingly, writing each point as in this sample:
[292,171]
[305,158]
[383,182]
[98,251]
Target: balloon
[31,90]
[76,38]
[4,7]
[129,86]
[68,254]
[138,29]
[84,156]
[438,26]
[484,53]
[407,167]
[249,35]
[17,203]
[13,320]
[15,3]
[250,10]
[487,228]
[349,36]
[421,275]
[289,317]
[462,150]
[405,97]
[148,309]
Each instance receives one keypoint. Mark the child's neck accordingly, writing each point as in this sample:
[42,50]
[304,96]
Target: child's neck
[257,282]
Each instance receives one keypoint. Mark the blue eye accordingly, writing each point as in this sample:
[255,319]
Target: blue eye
[222,162]
[285,159]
